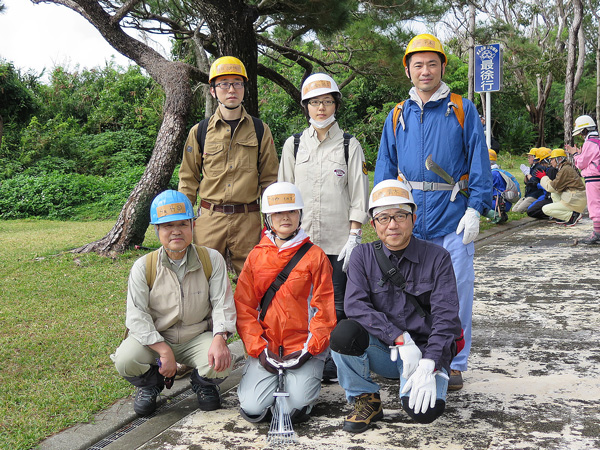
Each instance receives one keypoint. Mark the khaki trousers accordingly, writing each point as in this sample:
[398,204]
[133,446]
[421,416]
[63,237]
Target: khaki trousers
[236,233]
[133,359]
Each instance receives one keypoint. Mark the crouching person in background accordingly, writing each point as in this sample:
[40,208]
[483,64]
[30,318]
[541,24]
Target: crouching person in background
[402,307]
[284,323]
[179,308]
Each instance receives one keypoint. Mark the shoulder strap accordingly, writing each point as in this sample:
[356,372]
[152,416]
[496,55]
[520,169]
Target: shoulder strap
[396,114]
[205,260]
[296,143]
[347,137]
[259,129]
[393,274]
[459,111]
[201,134]
[151,260]
[281,278]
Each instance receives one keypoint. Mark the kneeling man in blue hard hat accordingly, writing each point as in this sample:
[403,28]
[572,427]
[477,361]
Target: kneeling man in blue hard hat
[179,308]
[402,307]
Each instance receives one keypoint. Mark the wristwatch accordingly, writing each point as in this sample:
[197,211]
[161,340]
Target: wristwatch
[223,334]
[356,232]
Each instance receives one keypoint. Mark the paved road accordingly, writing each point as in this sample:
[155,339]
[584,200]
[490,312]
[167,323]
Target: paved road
[533,383]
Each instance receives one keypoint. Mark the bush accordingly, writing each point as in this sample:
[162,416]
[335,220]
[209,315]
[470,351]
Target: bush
[58,195]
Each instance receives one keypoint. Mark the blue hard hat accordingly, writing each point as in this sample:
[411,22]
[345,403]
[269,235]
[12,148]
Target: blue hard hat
[170,206]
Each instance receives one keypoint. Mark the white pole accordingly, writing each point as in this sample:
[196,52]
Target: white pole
[488,119]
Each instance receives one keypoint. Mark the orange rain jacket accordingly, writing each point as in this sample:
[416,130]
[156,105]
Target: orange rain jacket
[302,313]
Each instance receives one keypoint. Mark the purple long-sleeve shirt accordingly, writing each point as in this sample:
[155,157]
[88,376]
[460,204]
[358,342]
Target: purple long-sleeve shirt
[385,312]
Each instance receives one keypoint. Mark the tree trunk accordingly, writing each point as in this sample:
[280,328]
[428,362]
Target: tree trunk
[571,69]
[232,23]
[174,77]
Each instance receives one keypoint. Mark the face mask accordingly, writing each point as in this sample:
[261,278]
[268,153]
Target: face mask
[323,123]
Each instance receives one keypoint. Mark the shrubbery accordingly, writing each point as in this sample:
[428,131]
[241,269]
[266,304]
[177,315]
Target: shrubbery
[63,196]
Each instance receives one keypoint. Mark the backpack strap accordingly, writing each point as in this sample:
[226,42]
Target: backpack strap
[392,274]
[397,113]
[347,137]
[201,134]
[151,260]
[281,278]
[205,260]
[459,110]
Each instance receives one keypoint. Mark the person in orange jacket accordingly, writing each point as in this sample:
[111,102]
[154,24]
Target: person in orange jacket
[292,331]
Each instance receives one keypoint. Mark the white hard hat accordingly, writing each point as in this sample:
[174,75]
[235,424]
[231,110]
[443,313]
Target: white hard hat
[581,123]
[318,84]
[390,193]
[281,196]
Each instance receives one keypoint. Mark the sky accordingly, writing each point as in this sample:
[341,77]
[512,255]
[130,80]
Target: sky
[47,35]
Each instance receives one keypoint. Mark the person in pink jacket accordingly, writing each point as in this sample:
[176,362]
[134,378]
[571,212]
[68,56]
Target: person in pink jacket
[587,159]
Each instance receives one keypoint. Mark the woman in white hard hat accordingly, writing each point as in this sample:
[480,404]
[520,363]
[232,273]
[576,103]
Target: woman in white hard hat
[284,322]
[329,168]
[587,159]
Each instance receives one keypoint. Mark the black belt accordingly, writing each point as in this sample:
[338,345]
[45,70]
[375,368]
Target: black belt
[231,209]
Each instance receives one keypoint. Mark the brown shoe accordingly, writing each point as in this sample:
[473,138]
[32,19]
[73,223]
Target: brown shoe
[456,380]
[182,371]
[367,409]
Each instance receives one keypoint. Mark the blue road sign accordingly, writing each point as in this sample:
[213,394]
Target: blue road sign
[488,68]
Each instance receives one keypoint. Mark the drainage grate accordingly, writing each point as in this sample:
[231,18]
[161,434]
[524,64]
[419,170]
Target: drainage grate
[139,421]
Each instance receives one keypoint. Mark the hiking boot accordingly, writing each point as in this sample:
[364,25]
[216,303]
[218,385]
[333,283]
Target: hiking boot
[330,371]
[182,371]
[208,395]
[456,381]
[575,218]
[594,238]
[367,409]
[145,400]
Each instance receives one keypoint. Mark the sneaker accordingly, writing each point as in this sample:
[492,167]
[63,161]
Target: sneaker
[145,400]
[593,239]
[456,381]
[208,395]
[575,218]
[330,371]
[559,221]
[367,409]
[182,371]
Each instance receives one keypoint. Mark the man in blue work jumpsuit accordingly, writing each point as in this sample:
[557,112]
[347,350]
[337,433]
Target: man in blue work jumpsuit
[429,124]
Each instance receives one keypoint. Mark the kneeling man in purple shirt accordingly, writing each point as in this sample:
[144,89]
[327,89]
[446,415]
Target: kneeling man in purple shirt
[402,307]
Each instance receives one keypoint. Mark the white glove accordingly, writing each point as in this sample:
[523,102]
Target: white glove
[422,386]
[409,353]
[353,241]
[470,224]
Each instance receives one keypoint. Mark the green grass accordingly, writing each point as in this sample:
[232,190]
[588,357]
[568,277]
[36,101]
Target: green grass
[61,316]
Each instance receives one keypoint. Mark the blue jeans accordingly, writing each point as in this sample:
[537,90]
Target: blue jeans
[354,372]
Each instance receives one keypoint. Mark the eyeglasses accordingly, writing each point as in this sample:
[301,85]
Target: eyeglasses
[321,102]
[226,85]
[398,218]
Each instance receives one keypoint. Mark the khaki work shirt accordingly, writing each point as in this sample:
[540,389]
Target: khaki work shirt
[230,169]
[334,193]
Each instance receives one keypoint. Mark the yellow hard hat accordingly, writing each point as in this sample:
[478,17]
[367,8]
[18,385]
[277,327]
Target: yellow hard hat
[543,153]
[557,152]
[424,43]
[493,155]
[533,152]
[227,65]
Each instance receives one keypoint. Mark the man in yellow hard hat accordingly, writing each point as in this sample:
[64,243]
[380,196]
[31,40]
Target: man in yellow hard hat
[538,160]
[435,125]
[228,160]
